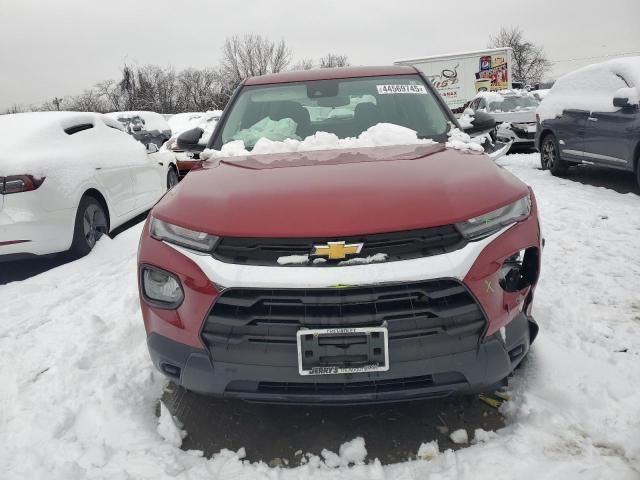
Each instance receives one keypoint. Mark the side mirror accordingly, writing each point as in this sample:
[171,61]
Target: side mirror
[482,123]
[152,148]
[136,128]
[188,141]
[625,98]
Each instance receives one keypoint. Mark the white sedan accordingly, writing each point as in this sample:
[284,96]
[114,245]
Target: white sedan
[66,178]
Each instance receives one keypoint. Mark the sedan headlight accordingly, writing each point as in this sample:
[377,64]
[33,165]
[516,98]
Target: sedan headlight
[489,223]
[200,241]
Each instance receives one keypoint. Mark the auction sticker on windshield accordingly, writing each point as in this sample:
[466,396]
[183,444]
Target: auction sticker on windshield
[401,88]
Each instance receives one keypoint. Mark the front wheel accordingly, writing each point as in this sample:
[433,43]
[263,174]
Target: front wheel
[91,224]
[550,156]
[172,178]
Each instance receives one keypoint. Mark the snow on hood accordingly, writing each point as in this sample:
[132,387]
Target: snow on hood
[380,135]
[592,88]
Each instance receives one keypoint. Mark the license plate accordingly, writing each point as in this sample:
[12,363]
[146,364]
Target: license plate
[333,351]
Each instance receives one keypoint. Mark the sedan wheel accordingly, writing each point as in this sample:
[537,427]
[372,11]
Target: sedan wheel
[91,223]
[94,224]
[172,178]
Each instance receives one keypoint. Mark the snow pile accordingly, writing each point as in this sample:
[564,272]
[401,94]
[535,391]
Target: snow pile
[428,451]
[305,259]
[169,427]
[350,453]
[459,436]
[462,141]
[465,120]
[380,135]
[592,88]
[79,393]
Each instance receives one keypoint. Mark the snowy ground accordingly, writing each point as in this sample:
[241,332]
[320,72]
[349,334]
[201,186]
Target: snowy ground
[78,394]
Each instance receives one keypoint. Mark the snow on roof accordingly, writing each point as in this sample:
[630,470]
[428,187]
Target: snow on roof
[181,122]
[21,129]
[592,88]
[152,120]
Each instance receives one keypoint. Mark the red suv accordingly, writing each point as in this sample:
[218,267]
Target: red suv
[369,274]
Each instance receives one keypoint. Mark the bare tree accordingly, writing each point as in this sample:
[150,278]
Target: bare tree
[530,63]
[15,108]
[332,60]
[303,64]
[87,101]
[128,86]
[250,55]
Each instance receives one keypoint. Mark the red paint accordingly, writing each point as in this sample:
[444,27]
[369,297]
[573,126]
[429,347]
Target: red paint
[182,325]
[339,193]
[501,307]
[330,74]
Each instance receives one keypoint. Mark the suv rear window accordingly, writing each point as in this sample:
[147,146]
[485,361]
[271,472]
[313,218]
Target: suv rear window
[344,107]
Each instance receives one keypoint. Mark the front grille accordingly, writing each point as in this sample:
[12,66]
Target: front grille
[346,388]
[397,246]
[523,133]
[424,319]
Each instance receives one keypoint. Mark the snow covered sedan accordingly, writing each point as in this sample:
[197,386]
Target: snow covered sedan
[146,127]
[66,178]
[179,123]
[592,116]
[515,113]
[375,257]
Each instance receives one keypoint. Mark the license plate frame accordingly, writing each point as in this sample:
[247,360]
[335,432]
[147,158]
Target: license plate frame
[376,338]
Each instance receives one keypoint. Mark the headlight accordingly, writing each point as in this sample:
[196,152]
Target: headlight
[161,288]
[489,223]
[201,241]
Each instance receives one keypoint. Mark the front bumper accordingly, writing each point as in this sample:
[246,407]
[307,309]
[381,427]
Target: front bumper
[176,338]
[472,371]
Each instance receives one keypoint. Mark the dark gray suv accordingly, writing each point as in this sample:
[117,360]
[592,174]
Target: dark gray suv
[592,116]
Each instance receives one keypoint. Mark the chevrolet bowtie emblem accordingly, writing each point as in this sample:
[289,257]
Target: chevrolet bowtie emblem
[336,250]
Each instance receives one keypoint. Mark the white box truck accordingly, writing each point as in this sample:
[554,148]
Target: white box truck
[458,77]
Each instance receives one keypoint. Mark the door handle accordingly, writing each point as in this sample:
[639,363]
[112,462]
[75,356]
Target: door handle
[592,119]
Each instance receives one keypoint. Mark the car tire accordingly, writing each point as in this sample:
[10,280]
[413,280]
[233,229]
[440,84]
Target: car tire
[91,223]
[550,156]
[172,178]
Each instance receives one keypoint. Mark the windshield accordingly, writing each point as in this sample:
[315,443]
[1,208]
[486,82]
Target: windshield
[344,107]
[515,103]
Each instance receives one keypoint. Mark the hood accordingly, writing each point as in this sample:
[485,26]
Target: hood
[339,192]
[515,117]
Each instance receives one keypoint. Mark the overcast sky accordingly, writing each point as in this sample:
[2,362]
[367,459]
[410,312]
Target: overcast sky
[54,48]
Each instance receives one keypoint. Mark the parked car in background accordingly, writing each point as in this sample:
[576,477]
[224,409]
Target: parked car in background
[181,122]
[298,267]
[515,113]
[146,127]
[67,178]
[592,116]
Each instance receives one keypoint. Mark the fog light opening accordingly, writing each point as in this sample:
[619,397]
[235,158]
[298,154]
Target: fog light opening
[161,288]
[520,270]
[170,370]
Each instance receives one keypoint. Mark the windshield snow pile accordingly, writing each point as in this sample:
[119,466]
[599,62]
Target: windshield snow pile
[380,135]
[593,88]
